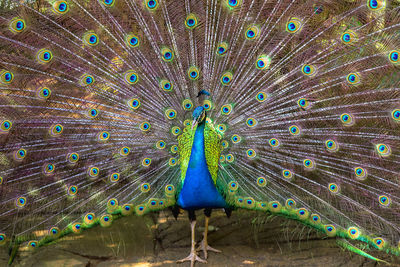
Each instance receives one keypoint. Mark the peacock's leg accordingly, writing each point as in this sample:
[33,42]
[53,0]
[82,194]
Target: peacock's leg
[204,244]
[193,254]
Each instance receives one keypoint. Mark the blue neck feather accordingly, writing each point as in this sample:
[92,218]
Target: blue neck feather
[198,189]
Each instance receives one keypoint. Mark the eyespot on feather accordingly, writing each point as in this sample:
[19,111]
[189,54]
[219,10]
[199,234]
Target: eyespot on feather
[290,203]
[294,25]
[330,230]
[60,7]
[17,25]
[6,77]
[106,220]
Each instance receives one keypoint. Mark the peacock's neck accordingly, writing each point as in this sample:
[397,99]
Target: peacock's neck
[198,157]
[198,190]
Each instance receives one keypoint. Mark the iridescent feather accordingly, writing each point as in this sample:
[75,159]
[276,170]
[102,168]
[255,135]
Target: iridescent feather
[303,113]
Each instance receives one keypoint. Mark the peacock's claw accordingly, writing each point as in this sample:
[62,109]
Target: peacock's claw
[192,258]
[205,247]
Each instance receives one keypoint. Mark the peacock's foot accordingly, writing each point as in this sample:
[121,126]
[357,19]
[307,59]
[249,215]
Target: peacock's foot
[205,247]
[192,258]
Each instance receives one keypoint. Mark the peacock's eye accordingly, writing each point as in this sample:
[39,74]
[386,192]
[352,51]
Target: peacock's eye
[222,49]
[226,109]
[308,70]
[376,5]
[60,7]
[394,57]
[191,21]
[146,162]
[44,56]
[261,181]
[252,32]
[274,142]
[193,73]
[167,54]
[290,203]
[132,40]
[90,38]
[287,174]
[170,114]
[232,4]
[108,3]
[294,130]
[383,150]
[294,25]
[331,145]
[226,78]
[17,25]
[251,122]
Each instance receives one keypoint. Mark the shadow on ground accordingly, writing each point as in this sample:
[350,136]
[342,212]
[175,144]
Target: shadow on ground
[246,239]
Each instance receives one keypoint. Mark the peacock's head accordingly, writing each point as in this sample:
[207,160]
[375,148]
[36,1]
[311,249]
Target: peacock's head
[199,115]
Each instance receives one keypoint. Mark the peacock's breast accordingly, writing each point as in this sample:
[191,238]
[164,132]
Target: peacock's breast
[198,190]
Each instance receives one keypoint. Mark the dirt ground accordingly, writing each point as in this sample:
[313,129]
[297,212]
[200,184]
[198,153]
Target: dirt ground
[246,239]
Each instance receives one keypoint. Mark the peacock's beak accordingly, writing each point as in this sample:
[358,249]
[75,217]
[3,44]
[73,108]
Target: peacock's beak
[198,119]
[194,122]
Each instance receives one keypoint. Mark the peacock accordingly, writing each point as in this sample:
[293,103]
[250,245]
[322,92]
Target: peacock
[111,108]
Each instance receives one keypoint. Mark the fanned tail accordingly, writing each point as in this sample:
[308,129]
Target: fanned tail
[304,95]
[311,118]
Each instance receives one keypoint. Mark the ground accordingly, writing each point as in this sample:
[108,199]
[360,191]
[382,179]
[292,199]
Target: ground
[246,239]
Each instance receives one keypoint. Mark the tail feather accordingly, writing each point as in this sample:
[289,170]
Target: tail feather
[304,94]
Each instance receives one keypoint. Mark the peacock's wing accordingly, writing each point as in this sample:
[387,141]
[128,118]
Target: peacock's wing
[212,147]
[185,144]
